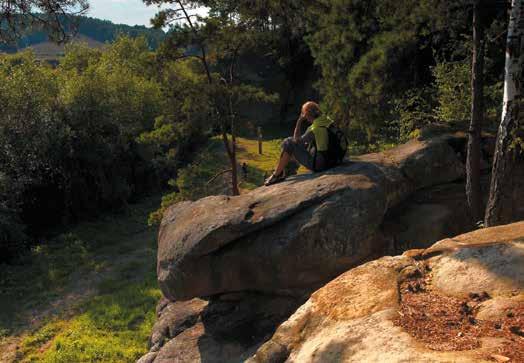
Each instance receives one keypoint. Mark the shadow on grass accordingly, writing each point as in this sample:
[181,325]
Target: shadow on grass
[47,291]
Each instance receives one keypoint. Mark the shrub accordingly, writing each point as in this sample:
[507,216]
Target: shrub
[452,81]
[68,136]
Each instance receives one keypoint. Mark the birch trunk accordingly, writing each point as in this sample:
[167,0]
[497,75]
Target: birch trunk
[500,204]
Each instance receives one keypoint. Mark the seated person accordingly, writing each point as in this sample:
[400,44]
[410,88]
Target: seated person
[310,149]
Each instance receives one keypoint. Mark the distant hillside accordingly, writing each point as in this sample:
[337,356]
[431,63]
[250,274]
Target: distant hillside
[51,51]
[94,32]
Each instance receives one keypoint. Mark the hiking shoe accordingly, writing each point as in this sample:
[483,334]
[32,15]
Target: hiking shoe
[273,179]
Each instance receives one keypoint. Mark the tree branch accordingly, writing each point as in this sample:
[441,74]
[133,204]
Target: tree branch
[217,175]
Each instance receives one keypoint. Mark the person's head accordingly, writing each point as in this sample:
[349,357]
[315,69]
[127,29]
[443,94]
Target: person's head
[310,111]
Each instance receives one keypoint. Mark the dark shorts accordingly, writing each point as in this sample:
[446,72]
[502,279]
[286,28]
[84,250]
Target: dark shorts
[301,154]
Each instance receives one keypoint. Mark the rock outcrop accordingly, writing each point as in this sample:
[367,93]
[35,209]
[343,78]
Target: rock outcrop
[295,236]
[233,268]
[358,317]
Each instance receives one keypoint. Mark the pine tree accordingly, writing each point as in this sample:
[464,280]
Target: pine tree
[217,42]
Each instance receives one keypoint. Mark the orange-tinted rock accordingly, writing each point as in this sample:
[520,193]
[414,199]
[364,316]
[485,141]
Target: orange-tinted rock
[351,319]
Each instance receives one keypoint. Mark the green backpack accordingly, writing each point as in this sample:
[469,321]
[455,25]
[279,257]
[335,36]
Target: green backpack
[338,145]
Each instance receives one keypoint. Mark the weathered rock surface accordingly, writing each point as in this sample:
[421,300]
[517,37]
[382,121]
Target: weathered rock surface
[229,329]
[351,318]
[298,234]
[428,216]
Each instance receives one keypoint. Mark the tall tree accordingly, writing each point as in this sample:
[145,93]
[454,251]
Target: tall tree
[181,13]
[473,189]
[281,27]
[500,204]
[217,41]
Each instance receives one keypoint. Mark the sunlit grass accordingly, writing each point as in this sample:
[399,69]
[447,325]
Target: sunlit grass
[112,327]
[110,324]
[259,166]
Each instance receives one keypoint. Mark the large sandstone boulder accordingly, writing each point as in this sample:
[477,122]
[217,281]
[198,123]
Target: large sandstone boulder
[291,238]
[234,268]
[473,289]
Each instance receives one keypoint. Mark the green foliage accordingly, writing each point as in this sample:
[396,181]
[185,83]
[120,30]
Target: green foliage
[185,118]
[71,136]
[415,110]
[376,57]
[192,180]
[79,57]
[105,126]
[18,16]
[203,176]
[454,91]
[453,87]
[362,48]
[105,31]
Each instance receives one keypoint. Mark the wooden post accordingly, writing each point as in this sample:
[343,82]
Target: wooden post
[260,140]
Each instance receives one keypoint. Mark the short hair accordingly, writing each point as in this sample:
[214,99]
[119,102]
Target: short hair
[312,108]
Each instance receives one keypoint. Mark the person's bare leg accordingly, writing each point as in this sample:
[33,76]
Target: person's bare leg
[285,158]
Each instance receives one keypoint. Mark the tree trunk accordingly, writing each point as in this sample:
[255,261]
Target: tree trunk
[234,168]
[500,204]
[230,149]
[473,189]
[260,151]
[231,153]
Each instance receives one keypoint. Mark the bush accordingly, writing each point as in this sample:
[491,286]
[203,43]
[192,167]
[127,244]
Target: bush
[82,138]
[453,85]
[414,111]
[452,81]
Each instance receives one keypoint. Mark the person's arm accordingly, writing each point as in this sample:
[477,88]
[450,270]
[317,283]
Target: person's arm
[298,129]
[308,138]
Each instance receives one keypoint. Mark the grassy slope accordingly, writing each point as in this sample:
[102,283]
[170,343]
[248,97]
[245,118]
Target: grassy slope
[90,295]
[50,51]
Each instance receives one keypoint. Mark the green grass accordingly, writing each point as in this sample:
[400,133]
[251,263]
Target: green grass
[109,264]
[247,152]
[112,327]
[259,165]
